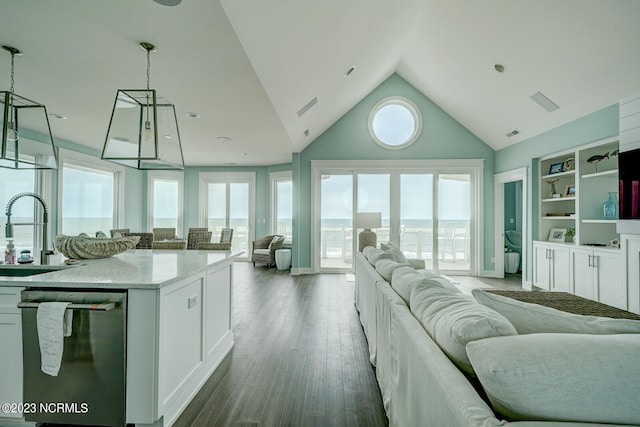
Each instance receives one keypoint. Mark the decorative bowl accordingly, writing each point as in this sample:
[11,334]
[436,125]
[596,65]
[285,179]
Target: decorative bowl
[84,247]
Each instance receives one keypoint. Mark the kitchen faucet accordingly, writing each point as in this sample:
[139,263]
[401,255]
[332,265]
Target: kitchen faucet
[44,253]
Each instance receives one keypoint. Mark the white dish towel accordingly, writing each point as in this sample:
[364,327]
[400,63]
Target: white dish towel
[54,323]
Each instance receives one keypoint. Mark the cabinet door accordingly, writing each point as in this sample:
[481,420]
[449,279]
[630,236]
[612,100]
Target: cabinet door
[11,361]
[582,273]
[608,276]
[560,276]
[541,267]
[632,255]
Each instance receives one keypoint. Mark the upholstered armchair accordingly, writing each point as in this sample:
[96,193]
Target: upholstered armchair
[264,249]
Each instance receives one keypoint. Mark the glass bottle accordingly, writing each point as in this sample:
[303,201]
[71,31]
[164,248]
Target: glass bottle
[610,206]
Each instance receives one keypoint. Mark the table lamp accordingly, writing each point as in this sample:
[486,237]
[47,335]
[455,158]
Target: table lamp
[368,220]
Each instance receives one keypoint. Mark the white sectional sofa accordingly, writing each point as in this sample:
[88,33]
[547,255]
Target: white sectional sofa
[501,376]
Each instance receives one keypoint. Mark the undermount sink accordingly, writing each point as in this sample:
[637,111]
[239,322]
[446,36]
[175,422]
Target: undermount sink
[28,270]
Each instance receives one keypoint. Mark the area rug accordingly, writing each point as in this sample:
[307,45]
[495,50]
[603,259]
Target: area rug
[568,303]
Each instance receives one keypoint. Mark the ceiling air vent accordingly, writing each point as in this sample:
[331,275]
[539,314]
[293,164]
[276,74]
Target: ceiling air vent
[306,108]
[513,132]
[544,102]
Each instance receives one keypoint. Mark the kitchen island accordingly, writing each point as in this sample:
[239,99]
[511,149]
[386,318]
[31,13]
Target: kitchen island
[178,325]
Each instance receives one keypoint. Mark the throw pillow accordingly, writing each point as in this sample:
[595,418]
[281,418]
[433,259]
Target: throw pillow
[385,268]
[393,250]
[534,318]
[453,320]
[376,255]
[561,377]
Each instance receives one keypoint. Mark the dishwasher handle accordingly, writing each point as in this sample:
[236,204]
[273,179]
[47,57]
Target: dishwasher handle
[99,306]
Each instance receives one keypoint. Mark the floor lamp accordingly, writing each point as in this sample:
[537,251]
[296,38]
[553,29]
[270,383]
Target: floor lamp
[368,220]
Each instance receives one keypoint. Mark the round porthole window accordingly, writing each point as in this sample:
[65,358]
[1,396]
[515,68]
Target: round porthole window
[395,123]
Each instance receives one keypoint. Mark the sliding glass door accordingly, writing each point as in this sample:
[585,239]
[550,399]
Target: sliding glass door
[336,222]
[229,204]
[427,213]
[416,217]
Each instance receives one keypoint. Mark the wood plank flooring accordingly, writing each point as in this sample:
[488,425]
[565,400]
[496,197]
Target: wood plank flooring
[300,357]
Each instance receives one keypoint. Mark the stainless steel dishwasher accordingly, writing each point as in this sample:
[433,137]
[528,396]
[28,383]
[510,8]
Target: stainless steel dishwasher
[91,385]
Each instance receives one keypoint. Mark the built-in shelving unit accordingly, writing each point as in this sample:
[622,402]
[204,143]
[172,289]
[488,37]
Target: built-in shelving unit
[574,184]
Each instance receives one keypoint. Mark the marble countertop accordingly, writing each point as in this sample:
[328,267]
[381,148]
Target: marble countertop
[133,269]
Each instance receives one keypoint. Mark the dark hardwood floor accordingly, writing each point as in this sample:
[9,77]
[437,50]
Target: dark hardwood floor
[300,357]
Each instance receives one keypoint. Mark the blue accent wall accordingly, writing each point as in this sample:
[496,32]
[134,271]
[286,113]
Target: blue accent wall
[442,137]
[593,127]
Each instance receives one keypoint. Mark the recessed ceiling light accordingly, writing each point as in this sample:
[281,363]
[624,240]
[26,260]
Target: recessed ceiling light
[244,154]
[58,116]
[349,71]
[309,104]
[192,115]
[306,132]
[513,133]
[168,137]
[499,68]
[223,139]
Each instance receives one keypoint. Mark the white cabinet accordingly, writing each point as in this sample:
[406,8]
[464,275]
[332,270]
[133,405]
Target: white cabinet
[11,356]
[630,248]
[177,336]
[597,275]
[551,266]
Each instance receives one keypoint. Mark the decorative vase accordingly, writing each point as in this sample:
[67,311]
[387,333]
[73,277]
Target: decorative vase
[610,206]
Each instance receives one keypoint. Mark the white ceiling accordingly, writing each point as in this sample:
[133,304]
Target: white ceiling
[247,67]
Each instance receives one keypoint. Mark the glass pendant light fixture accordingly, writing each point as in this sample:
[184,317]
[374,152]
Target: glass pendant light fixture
[27,142]
[143,130]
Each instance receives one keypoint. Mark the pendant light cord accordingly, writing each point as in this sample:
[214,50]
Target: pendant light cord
[148,67]
[12,73]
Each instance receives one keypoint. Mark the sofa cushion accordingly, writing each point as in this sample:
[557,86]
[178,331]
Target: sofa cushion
[367,250]
[561,377]
[394,250]
[534,318]
[385,268]
[442,281]
[376,255]
[403,280]
[454,319]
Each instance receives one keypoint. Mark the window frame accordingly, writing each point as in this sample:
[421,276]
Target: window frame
[413,110]
[275,178]
[93,163]
[152,176]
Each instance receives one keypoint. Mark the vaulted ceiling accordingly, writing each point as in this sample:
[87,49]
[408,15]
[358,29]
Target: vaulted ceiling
[248,67]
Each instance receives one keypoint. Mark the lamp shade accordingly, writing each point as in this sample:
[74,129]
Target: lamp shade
[27,142]
[143,132]
[369,220]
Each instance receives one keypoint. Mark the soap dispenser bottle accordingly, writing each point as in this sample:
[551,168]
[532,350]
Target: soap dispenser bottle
[10,253]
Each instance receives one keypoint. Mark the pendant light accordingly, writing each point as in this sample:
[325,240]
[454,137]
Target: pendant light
[143,130]
[27,142]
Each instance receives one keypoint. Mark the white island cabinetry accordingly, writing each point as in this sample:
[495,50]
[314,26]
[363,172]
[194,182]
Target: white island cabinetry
[11,357]
[178,325]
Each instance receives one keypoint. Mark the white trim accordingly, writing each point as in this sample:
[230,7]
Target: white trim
[473,167]
[413,110]
[274,178]
[93,163]
[386,165]
[204,178]
[161,175]
[499,180]
[299,271]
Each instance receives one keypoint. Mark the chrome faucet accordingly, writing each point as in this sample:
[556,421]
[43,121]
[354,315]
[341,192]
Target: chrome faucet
[44,253]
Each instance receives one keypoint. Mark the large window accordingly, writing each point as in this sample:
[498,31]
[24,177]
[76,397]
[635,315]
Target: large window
[227,201]
[282,204]
[89,196]
[165,191]
[428,208]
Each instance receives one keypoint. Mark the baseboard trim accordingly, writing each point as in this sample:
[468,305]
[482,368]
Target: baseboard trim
[487,273]
[299,271]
